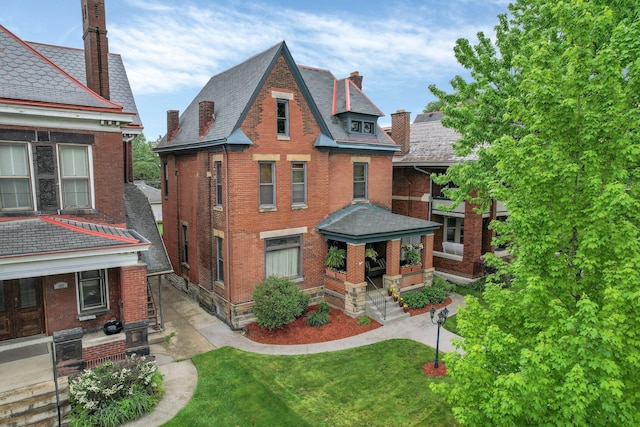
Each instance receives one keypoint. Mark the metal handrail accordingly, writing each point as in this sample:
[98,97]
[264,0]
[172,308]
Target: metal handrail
[377,297]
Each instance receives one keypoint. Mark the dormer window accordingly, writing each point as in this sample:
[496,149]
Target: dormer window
[362,126]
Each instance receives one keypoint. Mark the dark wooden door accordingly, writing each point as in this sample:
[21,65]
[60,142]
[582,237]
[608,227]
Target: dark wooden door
[21,308]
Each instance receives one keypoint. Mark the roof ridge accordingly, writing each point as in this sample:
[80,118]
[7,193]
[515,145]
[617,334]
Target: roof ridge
[66,223]
[82,86]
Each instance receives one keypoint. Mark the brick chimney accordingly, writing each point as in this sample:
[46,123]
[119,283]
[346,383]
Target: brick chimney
[173,123]
[356,78]
[205,117]
[96,46]
[401,130]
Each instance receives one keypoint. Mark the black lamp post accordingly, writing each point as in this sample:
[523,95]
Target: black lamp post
[442,317]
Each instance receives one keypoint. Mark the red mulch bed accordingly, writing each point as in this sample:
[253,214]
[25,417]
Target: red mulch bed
[298,332]
[429,370]
[340,326]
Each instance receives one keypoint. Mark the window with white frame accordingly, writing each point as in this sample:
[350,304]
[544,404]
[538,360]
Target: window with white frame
[74,176]
[15,178]
[219,260]
[282,113]
[454,230]
[218,166]
[360,181]
[267,184]
[93,293]
[299,183]
[283,257]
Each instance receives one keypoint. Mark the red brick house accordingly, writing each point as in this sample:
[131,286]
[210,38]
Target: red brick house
[68,262]
[427,148]
[269,165]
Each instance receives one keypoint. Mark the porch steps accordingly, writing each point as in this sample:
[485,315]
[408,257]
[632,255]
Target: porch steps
[34,405]
[394,312]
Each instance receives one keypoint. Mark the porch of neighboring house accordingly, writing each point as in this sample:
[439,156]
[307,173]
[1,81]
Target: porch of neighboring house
[360,228]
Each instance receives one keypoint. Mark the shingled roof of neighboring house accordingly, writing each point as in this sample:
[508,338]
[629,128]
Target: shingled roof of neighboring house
[364,223]
[140,218]
[72,61]
[49,235]
[28,76]
[153,194]
[431,144]
[234,90]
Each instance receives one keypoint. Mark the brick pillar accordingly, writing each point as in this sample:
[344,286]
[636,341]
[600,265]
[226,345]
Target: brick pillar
[133,288]
[355,263]
[427,251]
[392,278]
[472,250]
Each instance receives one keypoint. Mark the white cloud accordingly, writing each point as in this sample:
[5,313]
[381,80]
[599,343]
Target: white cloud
[177,47]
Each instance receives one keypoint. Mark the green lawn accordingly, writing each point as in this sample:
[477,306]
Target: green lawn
[376,385]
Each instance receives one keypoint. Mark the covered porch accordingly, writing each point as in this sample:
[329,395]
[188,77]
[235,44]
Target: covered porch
[361,227]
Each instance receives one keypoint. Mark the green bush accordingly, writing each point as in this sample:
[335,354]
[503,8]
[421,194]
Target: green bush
[417,299]
[478,285]
[113,394]
[439,282]
[364,320]
[278,301]
[317,319]
[435,294]
[323,307]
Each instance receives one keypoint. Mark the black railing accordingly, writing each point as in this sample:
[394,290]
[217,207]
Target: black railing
[377,297]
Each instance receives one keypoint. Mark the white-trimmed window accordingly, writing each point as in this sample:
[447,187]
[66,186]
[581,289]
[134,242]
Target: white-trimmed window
[299,183]
[267,184]
[283,257]
[93,292]
[360,181]
[74,176]
[282,113]
[218,166]
[219,260]
[454,230]
[15,178]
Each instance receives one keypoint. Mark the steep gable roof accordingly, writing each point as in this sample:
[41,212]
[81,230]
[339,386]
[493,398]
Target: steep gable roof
[431,144]
[27,76]
[234,90]
[72,61]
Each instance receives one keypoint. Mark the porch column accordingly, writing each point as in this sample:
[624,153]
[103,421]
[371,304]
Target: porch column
[133,288]
[427,259]
[355,287]
[392,278]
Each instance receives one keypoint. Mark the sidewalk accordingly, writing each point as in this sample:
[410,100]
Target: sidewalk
[190,331]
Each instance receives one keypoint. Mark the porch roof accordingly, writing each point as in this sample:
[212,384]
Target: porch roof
[364,223]
[53,245]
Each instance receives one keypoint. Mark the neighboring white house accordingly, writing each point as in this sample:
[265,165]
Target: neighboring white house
[155,199]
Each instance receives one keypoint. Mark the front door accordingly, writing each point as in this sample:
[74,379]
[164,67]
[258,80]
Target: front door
[21,308]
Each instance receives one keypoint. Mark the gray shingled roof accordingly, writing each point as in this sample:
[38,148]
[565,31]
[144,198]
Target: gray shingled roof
[72,61]
[320,84]
[233,91]
[47,235]
[140,218]
[28,76]
[153,194]
[431,144]
[364,223]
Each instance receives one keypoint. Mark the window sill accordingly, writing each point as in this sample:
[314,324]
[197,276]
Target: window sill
[299,207]
[87,211]
[92,314]
[359,201]
[217,208]
[268,209]
[219,284]
[447,256]
[185,265]
[284,138]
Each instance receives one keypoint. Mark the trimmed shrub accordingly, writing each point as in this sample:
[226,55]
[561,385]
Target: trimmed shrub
[434,294]
[113,393]
[416,299]
[278,301]
[317,319]
[323,307]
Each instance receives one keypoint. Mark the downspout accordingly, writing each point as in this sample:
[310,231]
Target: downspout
[430,189]
[227,235]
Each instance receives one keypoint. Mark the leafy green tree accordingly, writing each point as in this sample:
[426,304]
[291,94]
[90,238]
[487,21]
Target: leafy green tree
[433,106]
[146,164]
[552,111]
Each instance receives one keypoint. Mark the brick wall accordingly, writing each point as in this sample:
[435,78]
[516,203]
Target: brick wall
[109,175]
[134,293]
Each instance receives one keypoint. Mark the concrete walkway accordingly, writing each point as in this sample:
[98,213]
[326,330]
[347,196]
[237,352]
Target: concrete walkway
[189,330]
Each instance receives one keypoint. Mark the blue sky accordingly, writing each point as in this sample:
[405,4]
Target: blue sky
[171,49]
